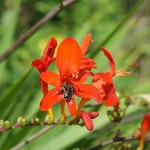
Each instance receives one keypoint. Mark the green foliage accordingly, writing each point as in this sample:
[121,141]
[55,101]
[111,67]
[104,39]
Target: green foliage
[124,32]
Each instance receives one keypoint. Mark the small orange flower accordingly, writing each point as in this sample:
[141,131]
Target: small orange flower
[104,81]
[43,63]
[145,126]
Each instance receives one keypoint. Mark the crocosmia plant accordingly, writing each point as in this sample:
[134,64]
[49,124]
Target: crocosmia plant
[74,75]
[74,69]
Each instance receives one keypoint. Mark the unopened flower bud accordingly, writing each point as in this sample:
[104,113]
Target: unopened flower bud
[36,120]
[19,119]
[7,125]
[23,122]
[116,115]
[124,146]
[87,120]
[137,133]
[1,123]
[50,122]
[32,121]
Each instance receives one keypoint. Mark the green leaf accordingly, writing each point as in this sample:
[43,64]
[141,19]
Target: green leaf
[118,27]
[7,103]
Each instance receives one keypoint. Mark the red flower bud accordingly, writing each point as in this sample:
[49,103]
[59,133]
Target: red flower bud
[87,120]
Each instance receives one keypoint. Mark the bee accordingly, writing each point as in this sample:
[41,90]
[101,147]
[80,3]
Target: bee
[68,91]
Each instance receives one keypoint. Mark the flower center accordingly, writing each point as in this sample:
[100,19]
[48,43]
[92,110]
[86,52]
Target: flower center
[68,91]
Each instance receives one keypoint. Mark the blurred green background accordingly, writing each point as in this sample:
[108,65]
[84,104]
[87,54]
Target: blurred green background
[122,26]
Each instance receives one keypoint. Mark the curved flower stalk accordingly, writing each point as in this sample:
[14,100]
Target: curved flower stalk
[145,127]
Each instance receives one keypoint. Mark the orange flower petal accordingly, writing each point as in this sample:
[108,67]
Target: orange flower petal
[44,86]
[72,106]
[145,127]
[111,98]
[103,89]
[111,60]
[39,64]
[84,45]
[96,77]
[50,99]
[88,91]
[146,123]
[68,57]
[106,77]
[50,49]
[51,78]
[80,78]
[87,64]
[106,89]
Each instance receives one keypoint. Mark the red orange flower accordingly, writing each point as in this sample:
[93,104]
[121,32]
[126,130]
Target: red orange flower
[73,70]
[104,83]
[43,63]
[145,126]
[68,61]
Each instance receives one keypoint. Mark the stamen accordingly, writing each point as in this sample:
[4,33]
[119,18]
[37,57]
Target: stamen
[123,72]
[63,112]
[81,104]
[51,116]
